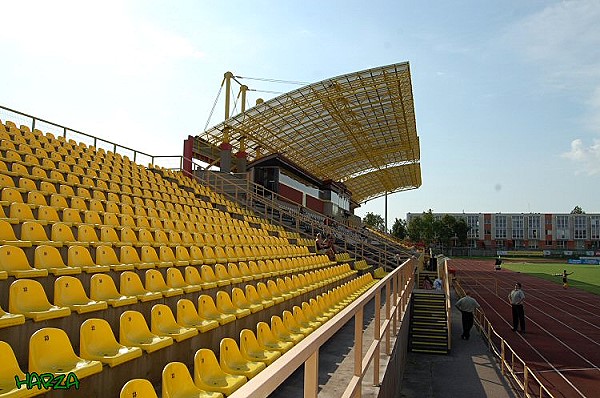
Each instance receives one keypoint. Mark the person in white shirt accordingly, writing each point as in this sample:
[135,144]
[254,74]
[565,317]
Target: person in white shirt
[467,306]
[437,284]
[516,298]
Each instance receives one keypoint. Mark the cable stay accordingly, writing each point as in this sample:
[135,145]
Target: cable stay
[273,80]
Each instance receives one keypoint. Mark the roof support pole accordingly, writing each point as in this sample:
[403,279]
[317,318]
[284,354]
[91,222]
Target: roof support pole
[386,213]
[228,76]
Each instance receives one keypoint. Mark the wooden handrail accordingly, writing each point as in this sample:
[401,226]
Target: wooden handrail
[399,283]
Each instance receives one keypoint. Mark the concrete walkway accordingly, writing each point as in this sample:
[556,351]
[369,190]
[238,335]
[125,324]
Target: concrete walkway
[470,370]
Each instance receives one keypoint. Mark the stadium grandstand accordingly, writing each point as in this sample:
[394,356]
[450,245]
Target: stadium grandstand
[136,275]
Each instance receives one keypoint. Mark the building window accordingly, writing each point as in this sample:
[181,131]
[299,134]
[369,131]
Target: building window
[517,227]
[561,244]
[500,230]
[580,227]
[562,227]
[548,243]
[501,244]
[473,223]
[534,227]
[533,244]
[595,227]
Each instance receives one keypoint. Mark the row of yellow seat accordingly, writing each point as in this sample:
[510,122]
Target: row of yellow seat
[27,297]
[48,259]
[256,351]
[50,350]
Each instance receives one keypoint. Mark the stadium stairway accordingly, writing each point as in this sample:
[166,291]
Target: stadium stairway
[428,324]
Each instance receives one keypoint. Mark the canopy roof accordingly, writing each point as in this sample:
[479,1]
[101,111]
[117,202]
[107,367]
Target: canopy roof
[357,128]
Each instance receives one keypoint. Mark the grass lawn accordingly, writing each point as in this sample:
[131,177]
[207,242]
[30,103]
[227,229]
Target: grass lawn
[584,277]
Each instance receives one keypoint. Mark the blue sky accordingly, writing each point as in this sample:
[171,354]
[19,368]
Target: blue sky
[507,93]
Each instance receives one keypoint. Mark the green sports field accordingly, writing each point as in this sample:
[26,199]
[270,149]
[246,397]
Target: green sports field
[585,277]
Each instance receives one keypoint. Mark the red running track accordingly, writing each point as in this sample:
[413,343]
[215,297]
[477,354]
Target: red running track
[562,340]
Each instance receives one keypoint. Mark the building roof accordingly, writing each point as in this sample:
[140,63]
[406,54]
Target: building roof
[358,128]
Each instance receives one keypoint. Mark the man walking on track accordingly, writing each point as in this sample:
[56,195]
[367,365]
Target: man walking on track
[467,306]
[516,298]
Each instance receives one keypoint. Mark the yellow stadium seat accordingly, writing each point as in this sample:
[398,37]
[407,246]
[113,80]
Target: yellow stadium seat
[98,343]
[87,233]
[8,319]
[187,316]
[175,279]
[252,351]
[196,255]
[277,295]
[131,285]
[208,310]
[35,233]
[163,323]
[112,220]
[223,275]
[291,324]
[22,212]
[63,234]
[134,332]
[106,257]
[166,255]
[182,254]
[245,272]
[225,305]
[14,261]
[259,295]
[7,236]
[92,217]
[9,370]
[311,316]
[282,333]
[108,235]
[208,276]
[129,255]
[239,300]
[49,258]
[102,287]
[69,292]
[154,282]
[303,320]
[138,388]
[178,383]
[148,255]
[209,376]
[255,270]
[267,339]
[208,254]
[192,277]
[50,351]
[232,361]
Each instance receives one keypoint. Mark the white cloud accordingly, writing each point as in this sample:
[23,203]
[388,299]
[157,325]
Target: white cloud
[100,35]
[587,157]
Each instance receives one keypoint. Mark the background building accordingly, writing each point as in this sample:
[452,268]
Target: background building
[530,233]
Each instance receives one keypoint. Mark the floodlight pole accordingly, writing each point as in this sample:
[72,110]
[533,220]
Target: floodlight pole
[386,220]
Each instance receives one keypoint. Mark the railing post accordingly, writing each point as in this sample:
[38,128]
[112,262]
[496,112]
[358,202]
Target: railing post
[358,346]
[502,357]
[388,295]
[311,376]
[525,380]
[377,335]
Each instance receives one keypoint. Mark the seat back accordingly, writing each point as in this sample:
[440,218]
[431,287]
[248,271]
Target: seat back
[62,232]
[129,255]
[177,381]
[102,287]
[50,348]
[186,312]
[31,230]
[86,233]
[162,318]
[133,328]
[47,257]
[138,388]
[175,278]
[79,256]
[148,255]
[192,275]
[9,368]
[68,290]
[6,231]
[155,281]
[105,255]
[13,258]
[131,284]
[207,273]
[97,338]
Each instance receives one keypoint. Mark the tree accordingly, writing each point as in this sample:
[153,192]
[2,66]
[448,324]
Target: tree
[374,221]
[428,229]
[399,229]
[577,210]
